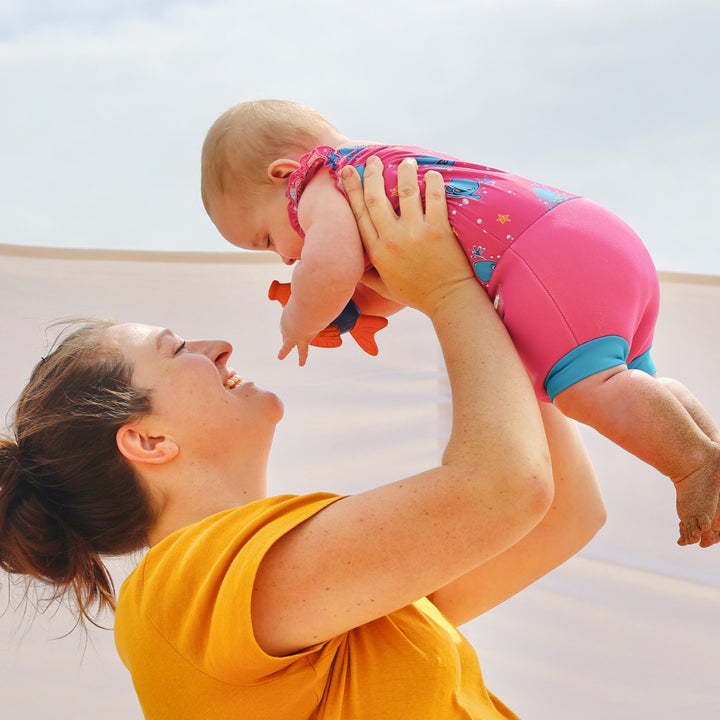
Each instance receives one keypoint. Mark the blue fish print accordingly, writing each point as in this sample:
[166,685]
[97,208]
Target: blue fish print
[459,187]
[552,198]
[484,269]
[430,160]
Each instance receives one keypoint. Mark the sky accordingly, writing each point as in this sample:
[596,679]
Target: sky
[105,104]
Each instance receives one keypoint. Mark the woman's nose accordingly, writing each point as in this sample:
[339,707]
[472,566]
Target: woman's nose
[217,350]
[288,261]
[220,351]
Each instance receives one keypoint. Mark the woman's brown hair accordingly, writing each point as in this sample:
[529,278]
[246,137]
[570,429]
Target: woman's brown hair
[67,495]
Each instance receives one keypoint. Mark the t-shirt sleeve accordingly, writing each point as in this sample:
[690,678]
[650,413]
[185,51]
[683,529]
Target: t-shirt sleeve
[198,586]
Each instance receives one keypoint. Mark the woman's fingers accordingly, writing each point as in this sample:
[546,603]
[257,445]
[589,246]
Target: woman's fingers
[353,187]
[416,254]
[437,225]
[372,210]
[436,213]
[409,191]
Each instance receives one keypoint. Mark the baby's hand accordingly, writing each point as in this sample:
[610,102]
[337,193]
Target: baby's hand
[302,349]
[291,339]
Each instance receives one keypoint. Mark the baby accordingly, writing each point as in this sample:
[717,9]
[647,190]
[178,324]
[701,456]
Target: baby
[575,286]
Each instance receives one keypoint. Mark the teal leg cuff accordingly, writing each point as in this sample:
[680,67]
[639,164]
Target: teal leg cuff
[587,359]
[592,357]
[643,362]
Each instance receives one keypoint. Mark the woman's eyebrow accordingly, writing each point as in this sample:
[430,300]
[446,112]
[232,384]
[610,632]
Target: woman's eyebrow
[161,335]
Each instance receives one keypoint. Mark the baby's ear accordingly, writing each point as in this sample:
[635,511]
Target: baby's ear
[281,169]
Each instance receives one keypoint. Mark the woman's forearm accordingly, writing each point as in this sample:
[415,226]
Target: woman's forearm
[575,516]
[495,413]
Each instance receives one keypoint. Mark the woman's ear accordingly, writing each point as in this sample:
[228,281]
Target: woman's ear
[281,169]
[138,446]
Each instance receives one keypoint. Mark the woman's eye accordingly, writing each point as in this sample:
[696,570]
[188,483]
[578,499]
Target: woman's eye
[180,348]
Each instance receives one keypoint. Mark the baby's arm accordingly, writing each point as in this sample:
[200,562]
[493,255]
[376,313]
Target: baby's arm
[331,265]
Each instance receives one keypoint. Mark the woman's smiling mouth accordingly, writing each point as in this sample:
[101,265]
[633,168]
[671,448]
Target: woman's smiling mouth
[233,381]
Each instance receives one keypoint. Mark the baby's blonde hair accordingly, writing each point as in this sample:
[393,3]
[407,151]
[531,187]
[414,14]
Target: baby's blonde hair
[245,139]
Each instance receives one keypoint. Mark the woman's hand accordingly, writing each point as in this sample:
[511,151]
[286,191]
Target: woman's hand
[416,254]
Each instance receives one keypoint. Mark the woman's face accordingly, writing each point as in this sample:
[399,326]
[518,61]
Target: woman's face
[196,397]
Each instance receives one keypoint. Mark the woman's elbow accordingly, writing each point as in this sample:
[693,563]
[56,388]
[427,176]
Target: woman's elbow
[542,494]
[595,519]
[533,490]
[586,523]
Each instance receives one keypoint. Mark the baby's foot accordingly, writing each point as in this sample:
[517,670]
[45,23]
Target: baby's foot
[712,536]
[697,504]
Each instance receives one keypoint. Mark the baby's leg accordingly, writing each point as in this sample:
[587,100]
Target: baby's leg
[580,297]
[660,422]
[698,413]
[703,420]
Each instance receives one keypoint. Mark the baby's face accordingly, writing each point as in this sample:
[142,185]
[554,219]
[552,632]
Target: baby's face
[260,223]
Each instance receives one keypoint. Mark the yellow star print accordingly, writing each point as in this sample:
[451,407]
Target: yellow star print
[502,219]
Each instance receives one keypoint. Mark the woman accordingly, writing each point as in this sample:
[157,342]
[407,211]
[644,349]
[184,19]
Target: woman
[293,607]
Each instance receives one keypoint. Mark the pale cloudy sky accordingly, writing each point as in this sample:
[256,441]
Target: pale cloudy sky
[104,104]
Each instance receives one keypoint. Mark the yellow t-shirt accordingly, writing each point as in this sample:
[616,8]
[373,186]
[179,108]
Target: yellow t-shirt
[183,628]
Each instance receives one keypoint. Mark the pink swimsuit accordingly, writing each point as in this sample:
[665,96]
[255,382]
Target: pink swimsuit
[574,285]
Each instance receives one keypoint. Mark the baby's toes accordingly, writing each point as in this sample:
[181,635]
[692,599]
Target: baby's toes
[711,537]
[690,531]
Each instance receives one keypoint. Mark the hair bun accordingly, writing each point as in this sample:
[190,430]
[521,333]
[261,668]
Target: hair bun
[16,470]
[13,466]
[30,530]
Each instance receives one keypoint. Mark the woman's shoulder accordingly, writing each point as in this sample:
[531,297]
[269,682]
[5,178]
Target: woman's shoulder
[195,587]
[231,530]
[204,551]
[214,552]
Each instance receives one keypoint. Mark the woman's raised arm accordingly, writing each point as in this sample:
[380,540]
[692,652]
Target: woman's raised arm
[370,554]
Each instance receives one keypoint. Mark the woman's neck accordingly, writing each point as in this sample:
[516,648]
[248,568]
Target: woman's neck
[190,498]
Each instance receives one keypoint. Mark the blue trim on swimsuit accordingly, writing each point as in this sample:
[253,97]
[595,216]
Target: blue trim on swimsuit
[643,362]
[592,357]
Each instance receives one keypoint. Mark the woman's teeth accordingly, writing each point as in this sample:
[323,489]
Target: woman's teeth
[232,381]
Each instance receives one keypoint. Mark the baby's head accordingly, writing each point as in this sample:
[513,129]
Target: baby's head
[244,141]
